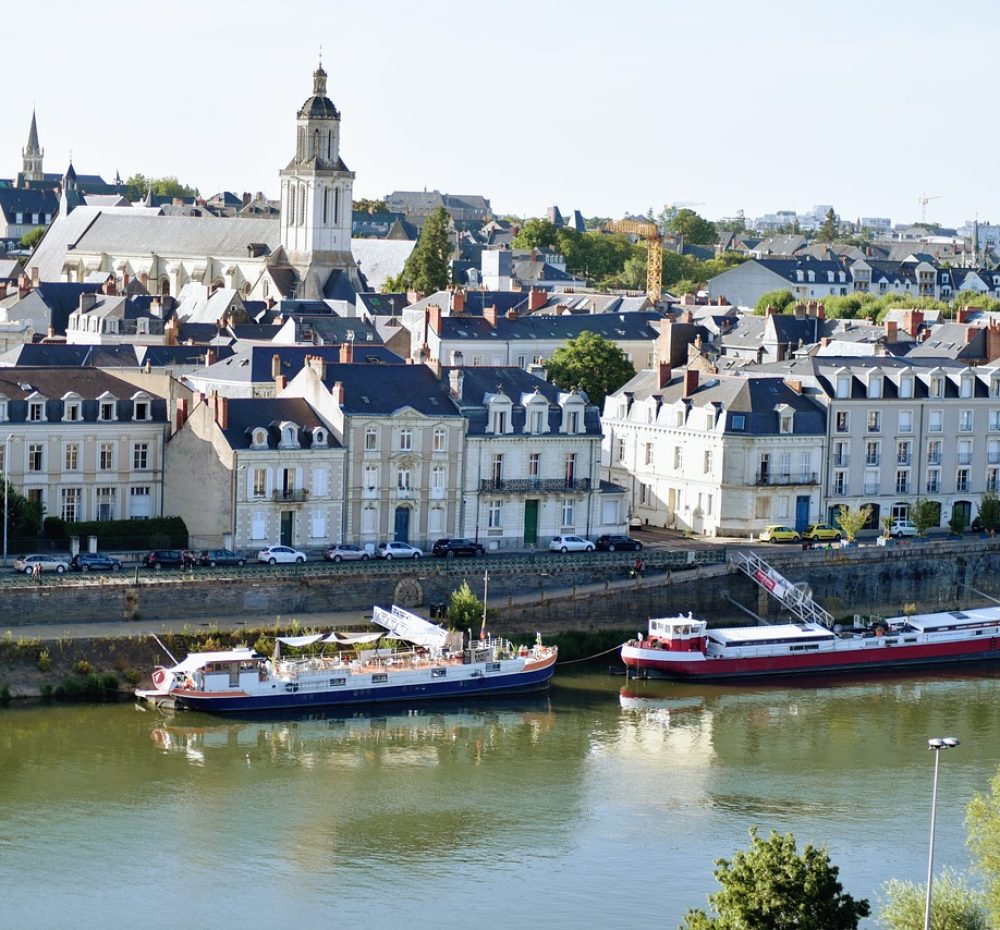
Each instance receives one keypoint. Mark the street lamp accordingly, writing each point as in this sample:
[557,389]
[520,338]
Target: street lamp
[6,482]
[937,744]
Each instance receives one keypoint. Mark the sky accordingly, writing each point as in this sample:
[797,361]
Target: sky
[606,107]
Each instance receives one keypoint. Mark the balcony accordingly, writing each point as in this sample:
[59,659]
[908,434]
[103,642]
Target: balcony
[933,458]
[872,487]
[873,461]
[290,495]
[904,459]
[533,485]
[778,479]
[841,461]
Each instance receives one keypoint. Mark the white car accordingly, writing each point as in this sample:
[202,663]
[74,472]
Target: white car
[398,550]
[902,528]
[274,554]
[48,563]
[570,544]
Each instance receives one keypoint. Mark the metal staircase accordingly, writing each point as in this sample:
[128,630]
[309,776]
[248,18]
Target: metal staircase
[796,600]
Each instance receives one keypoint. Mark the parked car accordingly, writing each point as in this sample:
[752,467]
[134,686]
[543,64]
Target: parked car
[163,558]
[397,550]
[618,544]
[779,534]
[821,532]
[901,527]
[274,554]
[570,544]
[345,552]
[48,563]
[213,557]
[451,546]
[94,562]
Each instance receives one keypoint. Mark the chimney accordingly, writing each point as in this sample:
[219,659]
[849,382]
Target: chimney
[34,276]
[511,314]
[171,330]
[457,301]
[457,357]
[663,375]
[433,317]
[51,332]
[88,301]
[413,296]
[721,302]
[794,384]
[912,321]
[800,311]
[970,333]
[536,300]
[110,287]
[280,383]
[210,357]
[337,393]
[820,311]
[23,286]
[318,364]
[962,314]
[455,378]
[347,353]
[275,365]
[825,341]
[770,311]
[222,412]
[3,289]
[245,199]
[181,414]
[144,281]
[490,315]
[992,341]
[690,381]
[688,300]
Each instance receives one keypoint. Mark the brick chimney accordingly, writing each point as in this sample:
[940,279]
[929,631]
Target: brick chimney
[34,276]
[210,357]
[275,365]
[970,333]
[690,381]
[222,412]
[23,285]
[891,331]
[280,383]
[347,353]
[457,301]
[686,317]
[964,314]
[912,321]
[455,379]
[110,287]
[663,375]
[795,384]
[318,364]
[821,311]
[144,281]
[3,289]
[536,300]
[337,393]
[433,316]
[992,341]
[171,330]
[490,315]
[50,332]
[770,311]
[181,413]
[413,296]
[800,311]
[688,300]
[721,302]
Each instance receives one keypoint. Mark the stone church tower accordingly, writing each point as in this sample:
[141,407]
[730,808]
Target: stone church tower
[32,155]
[317,197]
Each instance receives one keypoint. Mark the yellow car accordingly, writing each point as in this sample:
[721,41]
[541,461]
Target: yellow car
[779,534]
[821,532]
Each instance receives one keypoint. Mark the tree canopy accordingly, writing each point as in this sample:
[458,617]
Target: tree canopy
[771,886]
[956,906]
[32,237]
[982,823]
[694,228]
[465,610]
[778,299]
[592,363]
[138,185]
[830,229]
[24,518]
[426,269]
[369,205]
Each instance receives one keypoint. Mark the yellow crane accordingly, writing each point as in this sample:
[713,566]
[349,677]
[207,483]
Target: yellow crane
[654,251]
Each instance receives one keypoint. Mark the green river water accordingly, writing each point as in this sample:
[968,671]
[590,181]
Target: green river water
[602,804]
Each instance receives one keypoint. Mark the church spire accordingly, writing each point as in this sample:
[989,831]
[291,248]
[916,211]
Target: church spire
[32,154]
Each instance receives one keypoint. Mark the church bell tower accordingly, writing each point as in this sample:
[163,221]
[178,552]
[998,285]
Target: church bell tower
[317,197]
[32,154]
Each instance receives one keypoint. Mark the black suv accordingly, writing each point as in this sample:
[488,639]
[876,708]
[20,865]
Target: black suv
[94,562]
[212,557]
[618,544]
[450,547]
[163,558]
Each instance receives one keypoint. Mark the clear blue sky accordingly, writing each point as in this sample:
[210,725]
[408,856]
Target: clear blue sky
[606,107]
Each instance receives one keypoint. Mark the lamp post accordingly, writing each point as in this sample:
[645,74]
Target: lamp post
[937,744]
[6,482]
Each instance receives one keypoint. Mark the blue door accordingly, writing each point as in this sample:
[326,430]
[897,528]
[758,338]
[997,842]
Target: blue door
[801,512]
[402,526]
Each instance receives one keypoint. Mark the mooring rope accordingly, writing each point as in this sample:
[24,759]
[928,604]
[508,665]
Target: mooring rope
[588,658]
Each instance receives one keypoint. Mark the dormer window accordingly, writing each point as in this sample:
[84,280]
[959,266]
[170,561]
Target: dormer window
[937,386]
[289,436]
[500,408]
[965,386]
[786,419]
[258,439]
[906,386]
[844,385]
[72,407]
[319,438]
[875,386]
[107,407]
[36,411]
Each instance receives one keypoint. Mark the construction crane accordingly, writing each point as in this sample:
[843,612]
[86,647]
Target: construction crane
[922,200]
[654,251]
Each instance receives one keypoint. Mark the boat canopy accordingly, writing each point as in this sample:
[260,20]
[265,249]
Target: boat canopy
[779,632]
[351,639]
[198,660]
[410,627]
[300,640]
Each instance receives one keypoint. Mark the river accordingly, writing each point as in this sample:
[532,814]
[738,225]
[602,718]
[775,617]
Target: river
[596,806]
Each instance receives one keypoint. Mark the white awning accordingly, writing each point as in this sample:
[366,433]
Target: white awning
[410,627]
[300,640]
[198,660]
[351,639]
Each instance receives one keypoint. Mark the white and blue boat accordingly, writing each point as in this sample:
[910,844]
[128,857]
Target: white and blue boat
[424,662]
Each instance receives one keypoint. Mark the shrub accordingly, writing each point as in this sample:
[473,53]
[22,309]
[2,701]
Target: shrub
[44,661]
[82,667]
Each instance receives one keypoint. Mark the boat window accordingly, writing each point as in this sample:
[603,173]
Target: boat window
[493,666]
[334,682]
[379,679]
[439,672]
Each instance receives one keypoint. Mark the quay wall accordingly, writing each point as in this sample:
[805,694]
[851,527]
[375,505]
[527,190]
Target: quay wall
[867,581]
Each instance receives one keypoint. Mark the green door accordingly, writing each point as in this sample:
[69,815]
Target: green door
[287,517]
[530,522]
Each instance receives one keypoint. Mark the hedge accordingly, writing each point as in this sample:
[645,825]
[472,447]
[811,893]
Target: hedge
[156,533]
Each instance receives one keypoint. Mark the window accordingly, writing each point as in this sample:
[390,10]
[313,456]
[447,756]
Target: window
[71,412]
[964,452]
[678,458]
[567,512]
[36,411]
[536,420]
[371,477]
[371,440]
[785,424]
[406,440]
[933,480]
[936,386]
[648,454]
[906,386]
[72,459]
[872,456]
[404,478]
[875,386]
[934,420]
[105,503]
[842,421]
[843,385]
[965,386]
[70,504]
[902,482]
[496,469]
[994,420]
[570,469]
[739,421]
[369,519]
[106,456]
[573,422]
[495,514]
[805,465]
[106,410]
[962,480]
[140,455]
[439,477]
[708,461]
[140,503]
[906,421]
[141,411]
[874,421]
[965,421]
[841,454]
[993,452]
[534,461]
[500,420]
[933,453]
[439,440]
[36,458]
[259,478]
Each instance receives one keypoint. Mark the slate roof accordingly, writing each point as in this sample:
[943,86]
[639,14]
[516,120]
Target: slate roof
[379,259]
[253,364]
[370,391]
[17,200]
[64,355]
[246,414]
[382,304]
[60,299]
[613,326]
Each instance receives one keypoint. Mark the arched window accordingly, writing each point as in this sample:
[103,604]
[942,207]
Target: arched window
[336,205]
[291,206]
[302,206]
[326,203]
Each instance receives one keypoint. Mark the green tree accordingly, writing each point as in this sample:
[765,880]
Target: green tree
[829,231]
[982,824]
[853,519]
[32,237]
[465,610]
[778,299]
[771,886]
[686,286]
[535,234]
[989,511]
[592,363]
[138,185]
[694,228]
[925,514]
[369,205]
[426,269]
[24,517]
[975,299]
[956,906]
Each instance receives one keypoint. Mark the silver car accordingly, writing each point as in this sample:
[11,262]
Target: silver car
[48,563]
[570,544]
[398,550]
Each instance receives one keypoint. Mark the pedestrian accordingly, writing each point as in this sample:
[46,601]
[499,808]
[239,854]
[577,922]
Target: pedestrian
[36,572]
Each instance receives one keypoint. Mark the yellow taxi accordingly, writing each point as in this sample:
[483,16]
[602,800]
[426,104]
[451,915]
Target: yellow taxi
[779,534]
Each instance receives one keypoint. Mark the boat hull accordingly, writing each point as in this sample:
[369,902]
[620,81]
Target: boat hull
[535,677]
[653,663]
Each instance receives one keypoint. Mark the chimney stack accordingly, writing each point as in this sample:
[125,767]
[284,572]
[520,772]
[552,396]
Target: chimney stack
[434,318]
[337,393]
[490,315]
[222,412]
[455,378]
[34,275]
[275,365]
[891,331]
[280,383]
[347,353]
[664,374]
[318,364]
[690,381]
[820,311]
[800,311]
[210,357]
[457,301]
[794,384]
[23,286]
[536,300]
[181,414]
